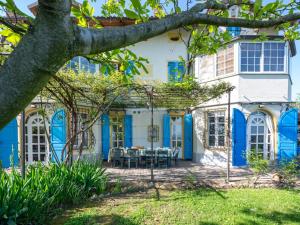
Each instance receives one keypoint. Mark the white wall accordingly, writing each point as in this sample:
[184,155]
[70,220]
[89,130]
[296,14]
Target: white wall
[159,51]
[141,119]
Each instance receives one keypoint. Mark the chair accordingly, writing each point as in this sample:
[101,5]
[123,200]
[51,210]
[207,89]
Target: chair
[163,158]
[117,157]
[148,157]
[175,155]
[132,157]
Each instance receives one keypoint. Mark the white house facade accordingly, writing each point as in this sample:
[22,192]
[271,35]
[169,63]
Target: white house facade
[262,119]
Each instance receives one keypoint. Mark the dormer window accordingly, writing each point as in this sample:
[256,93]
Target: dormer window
[266,57]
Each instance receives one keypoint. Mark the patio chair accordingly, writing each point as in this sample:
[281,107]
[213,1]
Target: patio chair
[163,158]
[147,158]
[175,155]
[117,157]
[132,157]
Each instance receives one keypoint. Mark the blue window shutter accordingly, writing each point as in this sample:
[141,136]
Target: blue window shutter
[128,130]
[129,69]
[287,132]
[172,71]
[234,31]
[166,131]
[9,140]
[58,133]
[239,126]
[188,136]
[176,71]
[105,136]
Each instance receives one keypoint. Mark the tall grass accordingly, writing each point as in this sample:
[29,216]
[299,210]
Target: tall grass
[45,189]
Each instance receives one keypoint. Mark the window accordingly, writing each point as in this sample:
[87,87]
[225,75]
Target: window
[225,61]
[216,129]
[176,71]
[250,57]
[117,131]
[234,31]
[176,131]
[82,64]
[260,138]
[274,54]
[153,133]
[82,123]
[263,57]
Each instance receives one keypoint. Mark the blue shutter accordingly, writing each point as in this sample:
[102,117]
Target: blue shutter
[234,31]
[172,71]
[188,136]
[58,133]
[239,126]
[9,140]
[181,71]
[129,68]
[166,131]
[287,131]
[105,136]
[128,130]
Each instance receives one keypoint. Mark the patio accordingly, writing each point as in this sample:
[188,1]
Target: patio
[183,172]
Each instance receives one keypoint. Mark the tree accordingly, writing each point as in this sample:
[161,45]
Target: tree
[53,37]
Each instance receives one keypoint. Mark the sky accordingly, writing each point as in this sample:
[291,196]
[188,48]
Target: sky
[295,61]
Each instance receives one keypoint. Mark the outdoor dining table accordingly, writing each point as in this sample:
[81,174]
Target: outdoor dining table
[142,153]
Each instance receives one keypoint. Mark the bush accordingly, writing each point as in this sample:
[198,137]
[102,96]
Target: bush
[288,172]
[45,189]
[259,165]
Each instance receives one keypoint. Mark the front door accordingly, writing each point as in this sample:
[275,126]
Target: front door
[177,133]
[259,136]
[36,140]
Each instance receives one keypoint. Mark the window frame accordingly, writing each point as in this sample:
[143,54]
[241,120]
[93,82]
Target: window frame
[286,58]
[87,132]
[120,117]
[216,146]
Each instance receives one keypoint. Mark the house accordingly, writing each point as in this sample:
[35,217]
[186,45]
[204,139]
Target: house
[261,115]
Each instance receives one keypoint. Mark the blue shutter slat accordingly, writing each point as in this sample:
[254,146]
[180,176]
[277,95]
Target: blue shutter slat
[105,136]
[287,132]
[58,133]
[239,126]
[128,130]
[181,71]
[188,136]
[9,139]
[166,131]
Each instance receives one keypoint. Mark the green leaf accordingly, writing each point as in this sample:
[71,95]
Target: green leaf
[131,14]
[137,4]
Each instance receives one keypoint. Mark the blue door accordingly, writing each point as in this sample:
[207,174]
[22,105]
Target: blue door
[166,131]
[105,136]
[239,126]
[287,135]
[188,136]
[128,130]
[58,134]
[9,144]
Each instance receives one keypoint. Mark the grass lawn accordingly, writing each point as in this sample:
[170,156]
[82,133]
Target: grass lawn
[203,207]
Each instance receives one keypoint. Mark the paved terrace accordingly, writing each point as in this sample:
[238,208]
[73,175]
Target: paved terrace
[184,171]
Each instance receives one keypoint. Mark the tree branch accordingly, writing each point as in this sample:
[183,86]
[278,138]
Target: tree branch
[92,41]
[13,27]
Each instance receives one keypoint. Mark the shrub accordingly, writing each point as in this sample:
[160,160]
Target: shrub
[259,165]
[45,189]
[288,172]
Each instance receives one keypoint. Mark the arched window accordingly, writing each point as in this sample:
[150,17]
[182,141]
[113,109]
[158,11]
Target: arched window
[37,147]
[260,135]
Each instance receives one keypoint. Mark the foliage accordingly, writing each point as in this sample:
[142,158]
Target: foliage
[289,171]
[45,189]
[259,165]
[201,206]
